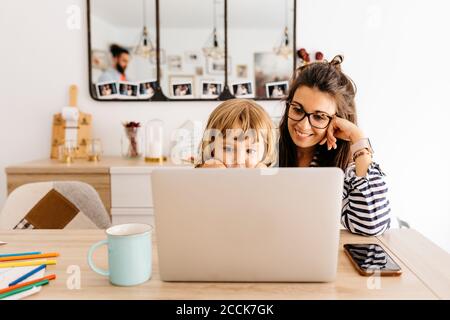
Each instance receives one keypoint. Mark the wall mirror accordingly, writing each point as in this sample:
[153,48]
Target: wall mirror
[192,37]
[260,47]
[200,50]
[122,49]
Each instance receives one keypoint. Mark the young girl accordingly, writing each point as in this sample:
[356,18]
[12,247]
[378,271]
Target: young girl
[239,134]
[319,129]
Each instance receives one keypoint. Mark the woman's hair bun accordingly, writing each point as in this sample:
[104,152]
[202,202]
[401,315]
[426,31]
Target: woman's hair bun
[336,61]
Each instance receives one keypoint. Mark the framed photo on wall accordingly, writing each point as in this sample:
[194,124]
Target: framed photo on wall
[128,90]
[147,88]
[276,90]
[241,71]
[270,67]
[100,59]
[211,89]
[107,90]
[243,89]
[181,87]
[175,63]
[217,66]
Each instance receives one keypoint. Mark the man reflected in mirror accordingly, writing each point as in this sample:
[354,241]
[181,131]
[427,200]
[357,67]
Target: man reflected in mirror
[120,60]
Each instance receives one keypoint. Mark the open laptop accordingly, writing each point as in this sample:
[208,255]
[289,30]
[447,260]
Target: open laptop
[247,225]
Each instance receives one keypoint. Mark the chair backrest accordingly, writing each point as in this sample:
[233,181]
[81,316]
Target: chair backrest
[54,205]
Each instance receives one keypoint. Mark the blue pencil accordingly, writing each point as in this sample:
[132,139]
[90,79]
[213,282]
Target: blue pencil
[35,270]
[19,254]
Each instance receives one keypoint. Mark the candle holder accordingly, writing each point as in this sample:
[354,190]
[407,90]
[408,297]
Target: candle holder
[67,151]
[154,141]
[94,150]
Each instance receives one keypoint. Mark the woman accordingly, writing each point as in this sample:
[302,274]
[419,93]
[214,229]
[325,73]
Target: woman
[319,129]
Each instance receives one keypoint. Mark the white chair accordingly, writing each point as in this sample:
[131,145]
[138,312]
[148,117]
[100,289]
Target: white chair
[54,205]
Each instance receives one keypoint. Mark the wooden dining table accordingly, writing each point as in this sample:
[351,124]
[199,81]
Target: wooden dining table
[425,272]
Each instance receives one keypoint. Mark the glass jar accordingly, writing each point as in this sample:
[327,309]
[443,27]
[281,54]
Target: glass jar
[154,131]
[94,150]
[67,151]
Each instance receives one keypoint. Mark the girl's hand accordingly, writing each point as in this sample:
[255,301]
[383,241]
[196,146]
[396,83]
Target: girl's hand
[343,129]
[213,163]
[261,165]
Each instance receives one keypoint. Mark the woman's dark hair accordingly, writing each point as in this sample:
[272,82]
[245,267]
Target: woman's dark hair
[328,78]
[117,50]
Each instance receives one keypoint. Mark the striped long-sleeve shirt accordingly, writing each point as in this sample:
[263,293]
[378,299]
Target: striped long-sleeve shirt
[365,206]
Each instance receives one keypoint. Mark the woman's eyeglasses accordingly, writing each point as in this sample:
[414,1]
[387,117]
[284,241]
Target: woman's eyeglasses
[318,120]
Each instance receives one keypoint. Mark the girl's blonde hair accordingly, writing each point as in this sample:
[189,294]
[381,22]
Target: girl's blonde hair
[246,115]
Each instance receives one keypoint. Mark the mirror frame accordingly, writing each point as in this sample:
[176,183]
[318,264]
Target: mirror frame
[159,94]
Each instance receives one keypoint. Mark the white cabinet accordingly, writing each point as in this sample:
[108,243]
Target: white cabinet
[131,187]
[131,195]
[129,215]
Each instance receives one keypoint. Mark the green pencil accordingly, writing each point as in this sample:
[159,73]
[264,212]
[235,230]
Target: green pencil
[18,290]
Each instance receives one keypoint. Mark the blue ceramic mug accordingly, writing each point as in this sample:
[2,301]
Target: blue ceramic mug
[129,254]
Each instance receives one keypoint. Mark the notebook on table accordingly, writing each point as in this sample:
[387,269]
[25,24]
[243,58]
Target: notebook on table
[8,275]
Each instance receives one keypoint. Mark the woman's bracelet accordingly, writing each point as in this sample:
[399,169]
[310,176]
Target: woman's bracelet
[360,153]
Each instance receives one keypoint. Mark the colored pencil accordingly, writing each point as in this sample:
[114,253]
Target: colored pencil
[21,295]
[19,254]
[3,243]
[26,263]
[30,256]
[22,289]
[27,275]
[20,285]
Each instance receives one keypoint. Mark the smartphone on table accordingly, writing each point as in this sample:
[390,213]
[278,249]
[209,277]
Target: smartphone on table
[371,258]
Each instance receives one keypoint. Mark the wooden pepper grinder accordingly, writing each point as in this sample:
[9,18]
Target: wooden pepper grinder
[66,128]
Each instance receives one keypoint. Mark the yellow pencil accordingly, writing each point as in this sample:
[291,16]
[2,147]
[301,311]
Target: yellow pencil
[29,256]
[26,263]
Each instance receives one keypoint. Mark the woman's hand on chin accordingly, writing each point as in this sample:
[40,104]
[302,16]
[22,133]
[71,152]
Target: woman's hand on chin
[343,129]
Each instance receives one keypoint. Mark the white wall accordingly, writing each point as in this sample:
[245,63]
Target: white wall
[396,51]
